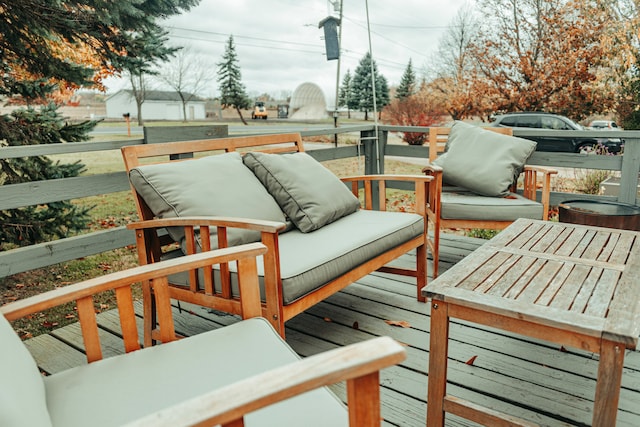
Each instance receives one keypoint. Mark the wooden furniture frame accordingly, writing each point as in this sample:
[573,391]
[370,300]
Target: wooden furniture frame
[358,364]
[573,285]
[149,230]
[532,175]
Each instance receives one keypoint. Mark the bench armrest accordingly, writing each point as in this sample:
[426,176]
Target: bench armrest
[421,188]
[82,293]
[358,364]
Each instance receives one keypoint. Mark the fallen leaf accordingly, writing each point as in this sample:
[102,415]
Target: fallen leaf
[471,361]
[400,323]
[326,319]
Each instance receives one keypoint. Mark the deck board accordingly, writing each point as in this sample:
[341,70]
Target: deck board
[521,376]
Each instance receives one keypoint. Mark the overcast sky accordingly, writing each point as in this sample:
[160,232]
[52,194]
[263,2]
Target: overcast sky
[280,46]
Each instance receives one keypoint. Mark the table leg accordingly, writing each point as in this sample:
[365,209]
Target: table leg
[605,408]
[438,353]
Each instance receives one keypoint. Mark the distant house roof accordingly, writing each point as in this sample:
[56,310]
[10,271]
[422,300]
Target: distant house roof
[164,95]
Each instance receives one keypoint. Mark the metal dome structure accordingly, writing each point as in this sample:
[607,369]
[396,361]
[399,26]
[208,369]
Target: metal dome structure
[308,102]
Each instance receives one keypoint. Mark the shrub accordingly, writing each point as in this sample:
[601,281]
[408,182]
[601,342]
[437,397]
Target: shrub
[414,110]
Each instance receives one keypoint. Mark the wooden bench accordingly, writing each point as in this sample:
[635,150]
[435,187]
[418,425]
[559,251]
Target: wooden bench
[320,262]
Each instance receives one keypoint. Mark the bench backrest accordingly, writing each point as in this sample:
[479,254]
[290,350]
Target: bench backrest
[135,155]
[438,137]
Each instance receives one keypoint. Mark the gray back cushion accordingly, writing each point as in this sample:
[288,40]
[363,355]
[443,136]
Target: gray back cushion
[483,161]
[22,394]
[310,194]
[218,185]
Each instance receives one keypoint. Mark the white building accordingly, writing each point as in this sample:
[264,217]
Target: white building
[158,105]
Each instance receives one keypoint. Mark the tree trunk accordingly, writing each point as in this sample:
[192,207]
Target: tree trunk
[140,120]
[241,118]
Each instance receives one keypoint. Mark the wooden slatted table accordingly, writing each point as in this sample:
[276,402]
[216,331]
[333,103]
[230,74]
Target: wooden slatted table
[574,285]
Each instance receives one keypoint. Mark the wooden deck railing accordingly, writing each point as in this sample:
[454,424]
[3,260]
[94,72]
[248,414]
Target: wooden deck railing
[371,148]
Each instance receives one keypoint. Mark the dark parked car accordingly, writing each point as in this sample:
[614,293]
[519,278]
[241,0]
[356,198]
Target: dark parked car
[555,143]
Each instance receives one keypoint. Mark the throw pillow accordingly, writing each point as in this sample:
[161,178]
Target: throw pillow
[218,185]
[482,161]
[310,194]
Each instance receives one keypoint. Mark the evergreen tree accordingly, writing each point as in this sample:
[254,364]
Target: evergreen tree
[152,49]
[407,82]
[345,92]
[362,87]
[48,50]
[232,91]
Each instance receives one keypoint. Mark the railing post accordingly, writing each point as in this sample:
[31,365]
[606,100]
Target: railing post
[630,170]
[374,149]
[368,142]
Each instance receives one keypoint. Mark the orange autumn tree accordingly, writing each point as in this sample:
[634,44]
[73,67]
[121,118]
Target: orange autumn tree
[542,55]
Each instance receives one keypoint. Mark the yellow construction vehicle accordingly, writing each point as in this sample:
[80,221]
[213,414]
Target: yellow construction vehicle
[259,111]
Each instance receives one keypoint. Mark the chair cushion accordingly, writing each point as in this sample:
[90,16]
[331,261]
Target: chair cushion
[310,194]
[464,204]
[310,260]
[483,161]
[117,390]
[218,185]
[22,392]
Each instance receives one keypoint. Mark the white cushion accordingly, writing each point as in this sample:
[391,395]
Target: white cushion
[22,393]
[117,390]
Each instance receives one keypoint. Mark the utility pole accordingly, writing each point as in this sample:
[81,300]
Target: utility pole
[333,45]
[335,104]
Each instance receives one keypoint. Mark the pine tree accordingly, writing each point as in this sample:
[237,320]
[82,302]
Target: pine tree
[48,50]
[152,49]
[345,92]
[362,87]
[232,91]
[407,83]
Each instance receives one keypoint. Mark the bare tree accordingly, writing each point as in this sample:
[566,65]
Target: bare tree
[453,69]
[188,74]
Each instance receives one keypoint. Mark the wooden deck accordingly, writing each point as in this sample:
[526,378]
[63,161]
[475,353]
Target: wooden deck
[524,377]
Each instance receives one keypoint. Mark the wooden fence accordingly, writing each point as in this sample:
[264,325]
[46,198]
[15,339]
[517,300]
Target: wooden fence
[374,150]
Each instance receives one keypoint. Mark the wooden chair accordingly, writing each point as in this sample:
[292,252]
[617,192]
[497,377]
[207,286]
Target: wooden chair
[475,211]
[226,376]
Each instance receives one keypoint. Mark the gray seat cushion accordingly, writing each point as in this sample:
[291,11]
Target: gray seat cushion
[464,204]
[22,391]
[114,391]
[310,260]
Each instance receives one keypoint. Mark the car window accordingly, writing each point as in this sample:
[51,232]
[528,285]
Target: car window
[528,122]
[554,123]
[508,121]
